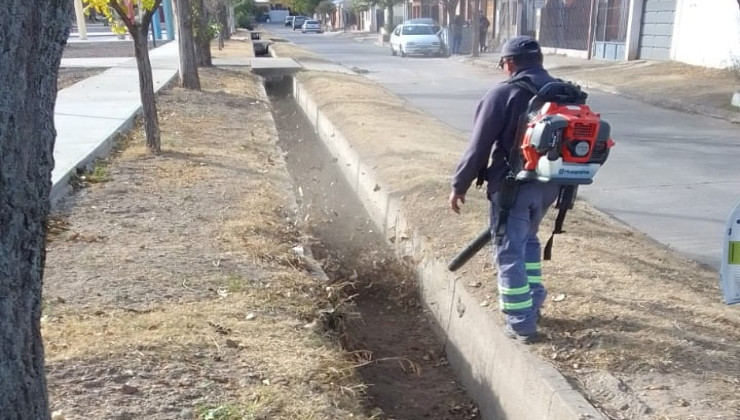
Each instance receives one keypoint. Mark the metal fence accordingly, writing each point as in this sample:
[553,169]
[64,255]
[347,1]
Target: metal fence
[611,21]
[565,24]
[510,14]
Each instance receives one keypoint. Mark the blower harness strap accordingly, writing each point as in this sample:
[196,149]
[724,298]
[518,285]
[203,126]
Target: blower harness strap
[566,199]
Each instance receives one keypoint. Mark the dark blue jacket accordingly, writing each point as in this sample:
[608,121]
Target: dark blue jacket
[494,131]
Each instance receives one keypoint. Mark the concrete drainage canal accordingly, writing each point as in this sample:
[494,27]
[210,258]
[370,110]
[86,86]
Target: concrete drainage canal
[384,325]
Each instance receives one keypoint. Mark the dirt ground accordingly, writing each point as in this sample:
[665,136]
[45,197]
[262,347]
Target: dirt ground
[692,88]
[69,76]
[640,331]
[172,287]
[175,286]
[103,49]
[403,362]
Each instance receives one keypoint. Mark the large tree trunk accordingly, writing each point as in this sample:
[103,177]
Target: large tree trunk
[451,9]
[146,89]
[203,36]
[188,67]
[223,21]
[33,36]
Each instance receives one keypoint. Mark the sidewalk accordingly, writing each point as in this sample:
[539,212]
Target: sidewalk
[88,115]
[667,84]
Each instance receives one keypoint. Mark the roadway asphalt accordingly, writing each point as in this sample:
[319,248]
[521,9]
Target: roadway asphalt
[671,175]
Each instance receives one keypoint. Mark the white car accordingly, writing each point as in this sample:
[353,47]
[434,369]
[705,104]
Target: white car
[311,26]
[424,21]
[415,39]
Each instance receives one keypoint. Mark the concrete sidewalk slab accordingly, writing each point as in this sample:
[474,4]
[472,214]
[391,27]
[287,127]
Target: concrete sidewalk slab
[89,114]
[275,67]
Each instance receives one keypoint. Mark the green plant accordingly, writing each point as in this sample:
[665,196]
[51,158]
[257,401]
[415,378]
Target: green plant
[98,174]
[304,7]
[326,7]
[244,13]
[235,284]
[221,412]
[213,30]
[245,21]
[356,6]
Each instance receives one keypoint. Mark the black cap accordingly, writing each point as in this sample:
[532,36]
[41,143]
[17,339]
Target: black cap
[520,45]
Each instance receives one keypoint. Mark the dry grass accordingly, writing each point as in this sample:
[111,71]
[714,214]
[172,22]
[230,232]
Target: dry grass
[630,308]
[190,300]
[237,47]
[692,87]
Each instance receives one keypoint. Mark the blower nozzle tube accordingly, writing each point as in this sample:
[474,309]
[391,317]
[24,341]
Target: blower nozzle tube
[470,249]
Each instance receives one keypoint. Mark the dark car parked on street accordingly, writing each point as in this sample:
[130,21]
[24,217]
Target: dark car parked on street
[298,22]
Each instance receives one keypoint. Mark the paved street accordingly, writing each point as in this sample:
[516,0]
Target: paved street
[672,175]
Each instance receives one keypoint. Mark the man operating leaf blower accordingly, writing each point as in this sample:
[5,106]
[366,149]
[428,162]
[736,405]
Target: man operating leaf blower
[533,142]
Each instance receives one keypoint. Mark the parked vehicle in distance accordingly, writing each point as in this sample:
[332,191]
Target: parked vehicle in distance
[298,22]
[415,39]
[289,20]
[311,26]
[424,21]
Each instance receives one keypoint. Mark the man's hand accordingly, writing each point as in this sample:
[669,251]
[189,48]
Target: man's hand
[455,201]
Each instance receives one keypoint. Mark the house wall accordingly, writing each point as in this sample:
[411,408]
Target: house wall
[399,14]
[707,32]
[277,16]
[367,20]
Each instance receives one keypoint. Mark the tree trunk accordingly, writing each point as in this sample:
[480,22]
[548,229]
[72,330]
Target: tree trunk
[203,53]
[223,21]
[188,68]
[476,29]
[451,9]
[203,36]
[146,89]
[33,37]
[389,16]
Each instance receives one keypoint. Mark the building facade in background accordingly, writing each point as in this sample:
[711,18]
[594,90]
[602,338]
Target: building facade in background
[699,32]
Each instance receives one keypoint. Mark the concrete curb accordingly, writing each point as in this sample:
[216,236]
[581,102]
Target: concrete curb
[505,379]
[60,187]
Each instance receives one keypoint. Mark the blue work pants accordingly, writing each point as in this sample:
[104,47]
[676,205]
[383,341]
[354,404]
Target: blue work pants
[456,43]
[518,256]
